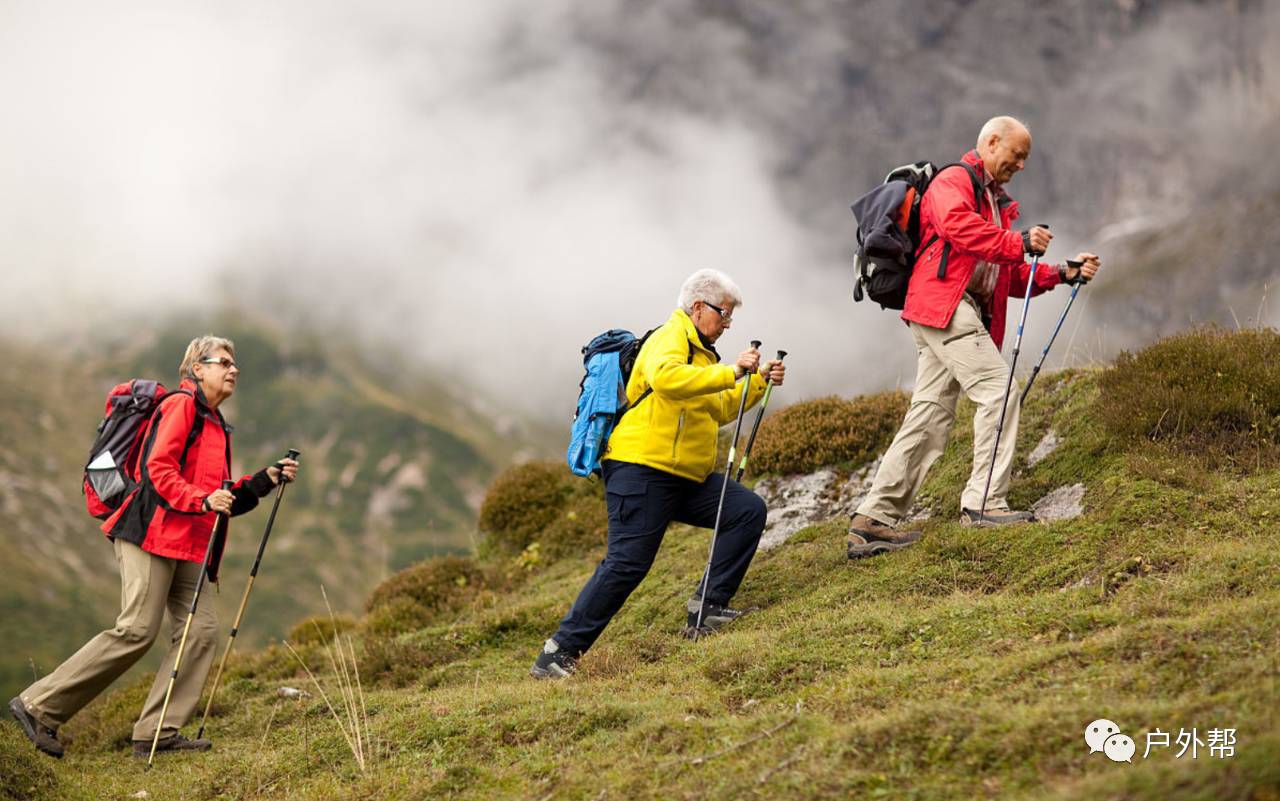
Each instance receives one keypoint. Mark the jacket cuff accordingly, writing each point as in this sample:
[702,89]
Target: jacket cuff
[261,484]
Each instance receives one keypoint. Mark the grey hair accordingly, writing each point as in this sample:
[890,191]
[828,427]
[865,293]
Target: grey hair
[1002,126]
[200,348]
[708,286]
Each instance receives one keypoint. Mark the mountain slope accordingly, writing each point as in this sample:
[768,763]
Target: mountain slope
[967,666]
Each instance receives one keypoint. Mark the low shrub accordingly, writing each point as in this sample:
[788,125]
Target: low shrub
[420,594]
[522,501]
[1211,393]
[828,432]
[319,629]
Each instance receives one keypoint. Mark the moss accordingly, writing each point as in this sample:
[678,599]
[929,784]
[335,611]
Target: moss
[1212,394]
[827,432]
[25,773]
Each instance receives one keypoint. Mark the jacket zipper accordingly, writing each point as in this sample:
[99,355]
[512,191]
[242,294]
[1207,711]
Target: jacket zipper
[679,430]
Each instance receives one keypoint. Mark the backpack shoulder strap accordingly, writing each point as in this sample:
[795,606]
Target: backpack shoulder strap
[197,425]
[973,178]
[649,390]
[977,204]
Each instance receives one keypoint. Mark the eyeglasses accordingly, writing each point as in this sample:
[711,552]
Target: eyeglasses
[222,360]
[724,315]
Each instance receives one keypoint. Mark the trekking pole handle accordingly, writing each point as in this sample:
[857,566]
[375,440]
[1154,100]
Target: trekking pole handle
[1045,226]
[1076,264]
[293,453]
[782,354]
[227,484]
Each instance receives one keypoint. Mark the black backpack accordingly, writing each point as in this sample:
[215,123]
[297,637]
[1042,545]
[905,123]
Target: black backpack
[889,231]
[115,457]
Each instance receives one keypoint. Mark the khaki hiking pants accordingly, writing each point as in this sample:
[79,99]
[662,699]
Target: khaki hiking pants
[960,357]
[149,585]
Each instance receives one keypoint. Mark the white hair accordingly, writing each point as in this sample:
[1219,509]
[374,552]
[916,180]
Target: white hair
[709,286]
[1002,126]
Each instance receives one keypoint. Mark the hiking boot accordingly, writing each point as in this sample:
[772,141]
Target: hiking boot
[868,537]
[42,737]
[553,663]
[714,618]
[174,742]
[995,517]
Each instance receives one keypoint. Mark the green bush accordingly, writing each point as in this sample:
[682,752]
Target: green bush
[418,595]
[1210,393]
[319,629]
[828,432]
[522,501]
[539,511]
[25,774]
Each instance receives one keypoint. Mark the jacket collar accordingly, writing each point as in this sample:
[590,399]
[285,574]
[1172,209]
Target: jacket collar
[997,190]
[202,403]
[681,317]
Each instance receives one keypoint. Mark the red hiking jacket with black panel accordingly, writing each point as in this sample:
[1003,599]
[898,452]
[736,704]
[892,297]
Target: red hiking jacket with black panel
[954,236]
[164,515]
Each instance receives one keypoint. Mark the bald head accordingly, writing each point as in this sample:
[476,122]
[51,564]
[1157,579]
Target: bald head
[1004,144]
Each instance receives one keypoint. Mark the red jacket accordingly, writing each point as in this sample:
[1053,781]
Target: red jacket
[164,514]
[954,230]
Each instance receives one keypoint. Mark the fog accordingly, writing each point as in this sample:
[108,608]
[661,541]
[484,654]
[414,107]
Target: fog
[472,184]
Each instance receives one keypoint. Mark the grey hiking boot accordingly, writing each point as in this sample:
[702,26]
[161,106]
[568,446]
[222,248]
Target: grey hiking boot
[42,737]
[714,618]
[174,742]
[995,517]
[868,537]
[553,663]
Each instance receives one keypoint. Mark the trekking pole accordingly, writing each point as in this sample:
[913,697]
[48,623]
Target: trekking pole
[751,440]
[1008,387]
[244,599]
[1075,290]
[737,431]
[191,613]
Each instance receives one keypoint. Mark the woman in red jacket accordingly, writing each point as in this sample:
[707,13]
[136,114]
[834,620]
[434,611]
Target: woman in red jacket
[160,534]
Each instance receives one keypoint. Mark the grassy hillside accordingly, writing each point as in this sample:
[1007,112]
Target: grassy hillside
[965,667]
[394,470]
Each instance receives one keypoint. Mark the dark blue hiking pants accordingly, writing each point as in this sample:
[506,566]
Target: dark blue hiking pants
[641,502]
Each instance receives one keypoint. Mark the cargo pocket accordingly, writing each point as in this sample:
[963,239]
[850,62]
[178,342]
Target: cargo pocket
[626,500]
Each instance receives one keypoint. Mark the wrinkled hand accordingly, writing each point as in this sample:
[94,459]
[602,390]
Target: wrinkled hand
[748,362]
[1080,269]
[219,501]
[1036,240]
[1090,266]
[774,371]
[290,471]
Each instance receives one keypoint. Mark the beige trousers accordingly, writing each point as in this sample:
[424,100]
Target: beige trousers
[149,585]
[960,357]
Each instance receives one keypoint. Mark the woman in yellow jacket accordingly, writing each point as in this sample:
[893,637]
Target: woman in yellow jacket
[658,468]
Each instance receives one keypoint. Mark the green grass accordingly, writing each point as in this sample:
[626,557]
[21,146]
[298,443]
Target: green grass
[965,667]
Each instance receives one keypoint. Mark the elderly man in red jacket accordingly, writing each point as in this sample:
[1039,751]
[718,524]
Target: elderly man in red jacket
[969,264]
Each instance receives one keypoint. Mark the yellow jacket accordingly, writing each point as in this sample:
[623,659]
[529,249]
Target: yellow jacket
[674,428]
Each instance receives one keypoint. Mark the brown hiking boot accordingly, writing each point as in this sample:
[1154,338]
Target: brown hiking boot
[868,537]
[42,737]
[995,517]
[174,742]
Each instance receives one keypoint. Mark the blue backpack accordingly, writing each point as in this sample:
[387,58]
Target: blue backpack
[602,399]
